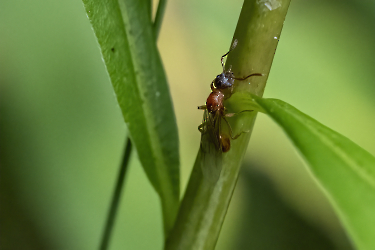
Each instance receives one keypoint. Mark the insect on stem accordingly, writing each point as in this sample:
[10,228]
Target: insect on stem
[215,110]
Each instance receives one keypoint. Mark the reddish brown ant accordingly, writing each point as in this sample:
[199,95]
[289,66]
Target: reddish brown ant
[215,110]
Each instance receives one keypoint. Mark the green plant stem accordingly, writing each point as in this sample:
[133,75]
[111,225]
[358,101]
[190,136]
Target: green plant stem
[159,17]
[205,202]
[116,196]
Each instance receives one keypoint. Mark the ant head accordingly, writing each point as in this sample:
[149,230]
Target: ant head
[224,80]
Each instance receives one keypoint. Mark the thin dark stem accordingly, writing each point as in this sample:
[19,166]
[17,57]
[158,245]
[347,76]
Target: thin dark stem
[116,196]
[159,17]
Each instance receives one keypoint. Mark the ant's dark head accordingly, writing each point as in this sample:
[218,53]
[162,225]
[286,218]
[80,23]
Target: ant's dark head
[223,81]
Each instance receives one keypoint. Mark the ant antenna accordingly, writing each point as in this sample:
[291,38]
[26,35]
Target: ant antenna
[244,78]
[234,45]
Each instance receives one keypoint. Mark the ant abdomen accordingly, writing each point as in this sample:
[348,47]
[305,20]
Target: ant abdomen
[224,143]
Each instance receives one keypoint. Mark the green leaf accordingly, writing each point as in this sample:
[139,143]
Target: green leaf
[345,171]
[127,42]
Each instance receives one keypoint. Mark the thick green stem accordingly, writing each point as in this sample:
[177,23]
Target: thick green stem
[206,200]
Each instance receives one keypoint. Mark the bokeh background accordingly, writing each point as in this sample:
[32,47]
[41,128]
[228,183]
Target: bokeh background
[62,133]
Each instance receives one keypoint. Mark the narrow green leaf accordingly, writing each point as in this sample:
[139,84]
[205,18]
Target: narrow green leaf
[126,39]
[215,174]
[345,171]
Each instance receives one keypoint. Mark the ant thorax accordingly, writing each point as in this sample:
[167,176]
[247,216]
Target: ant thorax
[214,102]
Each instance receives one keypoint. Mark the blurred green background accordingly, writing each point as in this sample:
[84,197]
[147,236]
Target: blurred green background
[62,133]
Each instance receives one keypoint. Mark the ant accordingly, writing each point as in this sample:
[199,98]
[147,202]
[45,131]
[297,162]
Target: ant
[215,110]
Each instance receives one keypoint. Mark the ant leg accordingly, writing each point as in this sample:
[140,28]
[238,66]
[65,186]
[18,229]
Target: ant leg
[234,45]
[230,128]
[231,131]
[222,63]
[203,107]
[244,78]
[200,127]
[238,135]
[233,114]
[232,48]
